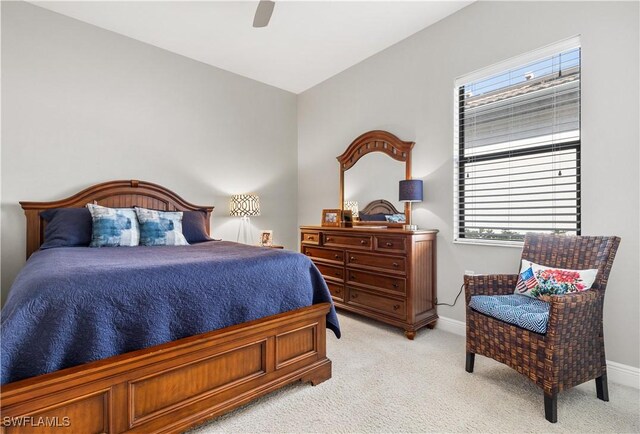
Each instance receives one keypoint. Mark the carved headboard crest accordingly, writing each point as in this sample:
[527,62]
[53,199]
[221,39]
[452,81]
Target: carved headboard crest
[375,141]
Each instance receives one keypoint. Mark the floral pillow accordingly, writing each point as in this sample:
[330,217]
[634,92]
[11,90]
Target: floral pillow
[538,281]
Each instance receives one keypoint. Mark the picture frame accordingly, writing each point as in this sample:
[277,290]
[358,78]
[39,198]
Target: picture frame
[331,218]
[347,218]
[266,238]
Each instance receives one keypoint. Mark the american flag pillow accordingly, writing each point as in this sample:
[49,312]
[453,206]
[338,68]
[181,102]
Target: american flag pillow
[526,281]
[538,281]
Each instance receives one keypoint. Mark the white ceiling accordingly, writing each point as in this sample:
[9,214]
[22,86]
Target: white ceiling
[305,43]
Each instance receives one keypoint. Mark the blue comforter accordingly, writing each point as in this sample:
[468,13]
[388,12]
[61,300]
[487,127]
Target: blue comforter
[70,306]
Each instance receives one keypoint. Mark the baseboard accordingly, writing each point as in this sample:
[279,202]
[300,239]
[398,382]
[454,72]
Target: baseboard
[452,326]
[623,374]
[616,372]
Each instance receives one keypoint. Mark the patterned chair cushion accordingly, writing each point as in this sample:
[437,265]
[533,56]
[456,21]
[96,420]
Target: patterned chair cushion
[520,310]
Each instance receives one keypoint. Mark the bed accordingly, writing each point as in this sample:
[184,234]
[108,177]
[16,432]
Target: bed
[377,211]
[181,376]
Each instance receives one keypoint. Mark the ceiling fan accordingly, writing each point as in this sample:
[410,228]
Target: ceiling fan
[263,13]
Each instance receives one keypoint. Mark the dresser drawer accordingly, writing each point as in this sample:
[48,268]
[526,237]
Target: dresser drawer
[367,260]
[378,303]
[308,237]
[389,244]
[336,290]
[353,241]
[324,254]
[377,281]
[330,272]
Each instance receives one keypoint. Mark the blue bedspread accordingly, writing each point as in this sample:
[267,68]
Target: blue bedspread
[70,306]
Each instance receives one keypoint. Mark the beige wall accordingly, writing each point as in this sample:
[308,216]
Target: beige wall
[82,105]
[408,90]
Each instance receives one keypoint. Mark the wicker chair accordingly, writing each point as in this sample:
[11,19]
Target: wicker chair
[572,350]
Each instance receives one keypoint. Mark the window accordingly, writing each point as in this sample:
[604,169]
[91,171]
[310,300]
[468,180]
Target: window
[517,150]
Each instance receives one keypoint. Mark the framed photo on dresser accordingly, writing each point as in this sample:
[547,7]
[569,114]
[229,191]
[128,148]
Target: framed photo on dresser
[331,217]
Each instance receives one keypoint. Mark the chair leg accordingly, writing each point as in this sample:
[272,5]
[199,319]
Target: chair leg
[602,388]
[471,357]
[551,408]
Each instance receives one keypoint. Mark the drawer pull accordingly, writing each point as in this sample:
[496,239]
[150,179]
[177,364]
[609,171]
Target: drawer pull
[338,291]
[337,273]
[353,259]
[363,242]
[395,285]
[396,306]
[329,239]
[388,244]
[310,238]
[308,253]
[354,295]
[336,256]
[353,277]
[395,264]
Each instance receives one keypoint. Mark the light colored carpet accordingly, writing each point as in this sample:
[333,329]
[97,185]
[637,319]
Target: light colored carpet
[383,382]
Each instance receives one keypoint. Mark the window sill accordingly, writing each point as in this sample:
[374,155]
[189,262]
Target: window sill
[492,243]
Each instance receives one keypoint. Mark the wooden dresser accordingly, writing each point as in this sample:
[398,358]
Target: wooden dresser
[385,274]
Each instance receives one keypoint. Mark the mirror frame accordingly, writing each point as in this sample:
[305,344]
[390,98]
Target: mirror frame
[377,141]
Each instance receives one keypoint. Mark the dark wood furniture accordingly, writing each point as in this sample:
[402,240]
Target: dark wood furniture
[385,274]
[572,350]
[170,387]
[380,206]
[377,141]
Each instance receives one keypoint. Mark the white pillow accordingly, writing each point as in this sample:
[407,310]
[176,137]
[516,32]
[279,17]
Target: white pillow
[538,281]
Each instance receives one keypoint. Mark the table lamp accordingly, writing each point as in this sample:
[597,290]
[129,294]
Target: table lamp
[244,206]
[410,191]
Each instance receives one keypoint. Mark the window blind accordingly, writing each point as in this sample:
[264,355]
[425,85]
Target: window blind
[518,151]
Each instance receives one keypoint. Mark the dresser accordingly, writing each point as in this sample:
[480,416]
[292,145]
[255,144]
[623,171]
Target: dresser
[385,274]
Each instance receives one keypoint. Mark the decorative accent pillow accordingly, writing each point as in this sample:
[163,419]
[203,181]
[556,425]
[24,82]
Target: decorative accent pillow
[538,281]
[395,218]
[160,228]
[380,217]
[113,227]
[194,226]
[66,227]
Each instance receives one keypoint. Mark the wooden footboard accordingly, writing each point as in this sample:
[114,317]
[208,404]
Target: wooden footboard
[171,387]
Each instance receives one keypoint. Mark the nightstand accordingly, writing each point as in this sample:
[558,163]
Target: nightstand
[274,246]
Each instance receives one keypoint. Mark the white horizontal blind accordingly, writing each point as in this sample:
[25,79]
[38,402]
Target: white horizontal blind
[518,151]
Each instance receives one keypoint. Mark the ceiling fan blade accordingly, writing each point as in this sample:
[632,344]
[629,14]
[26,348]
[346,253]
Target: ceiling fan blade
[263,13]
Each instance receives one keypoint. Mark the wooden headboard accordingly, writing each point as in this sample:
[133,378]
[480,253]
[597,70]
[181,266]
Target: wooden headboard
[116,194]
[380,206]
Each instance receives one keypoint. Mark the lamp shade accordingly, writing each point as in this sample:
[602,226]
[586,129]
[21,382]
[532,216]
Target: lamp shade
[411,190]
[352,205]
[244,205]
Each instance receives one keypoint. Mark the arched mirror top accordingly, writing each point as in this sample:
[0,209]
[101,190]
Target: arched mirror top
[375,141]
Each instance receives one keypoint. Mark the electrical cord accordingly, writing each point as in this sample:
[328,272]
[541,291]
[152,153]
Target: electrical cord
[454,302]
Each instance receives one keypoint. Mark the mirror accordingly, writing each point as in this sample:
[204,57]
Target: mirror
[370,171]
[375,177]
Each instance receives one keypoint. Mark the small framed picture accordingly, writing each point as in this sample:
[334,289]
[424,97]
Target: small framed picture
[331,217]
[266,238]
[347,218]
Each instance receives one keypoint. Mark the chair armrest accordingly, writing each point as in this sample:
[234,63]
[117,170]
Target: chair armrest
[489,284]
[578,315]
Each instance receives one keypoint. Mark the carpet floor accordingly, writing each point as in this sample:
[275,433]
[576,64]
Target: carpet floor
[382,382]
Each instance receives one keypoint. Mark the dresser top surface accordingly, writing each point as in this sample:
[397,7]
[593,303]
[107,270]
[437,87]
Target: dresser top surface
[357,229]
